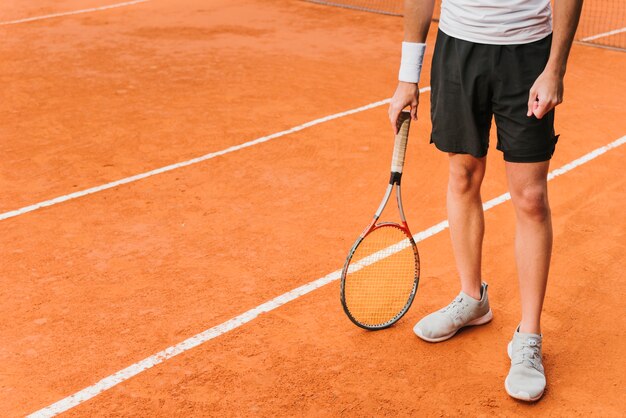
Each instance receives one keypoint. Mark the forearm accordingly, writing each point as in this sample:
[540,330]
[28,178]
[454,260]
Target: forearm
[566,15]
[417,17]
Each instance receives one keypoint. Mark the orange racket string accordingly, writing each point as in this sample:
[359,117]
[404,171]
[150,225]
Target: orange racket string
[381,276]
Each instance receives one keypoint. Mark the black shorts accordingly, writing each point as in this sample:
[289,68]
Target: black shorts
[472,82]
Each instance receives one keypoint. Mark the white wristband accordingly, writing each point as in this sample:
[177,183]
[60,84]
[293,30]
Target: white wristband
[411,62]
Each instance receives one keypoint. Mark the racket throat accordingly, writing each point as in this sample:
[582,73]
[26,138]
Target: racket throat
[395,178]
[400,208]
[382,205]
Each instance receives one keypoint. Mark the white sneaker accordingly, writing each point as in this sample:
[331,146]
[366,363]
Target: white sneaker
[526,380]
[463,311]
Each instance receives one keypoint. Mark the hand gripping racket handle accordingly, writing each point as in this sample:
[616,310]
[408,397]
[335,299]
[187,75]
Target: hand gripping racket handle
[399,147]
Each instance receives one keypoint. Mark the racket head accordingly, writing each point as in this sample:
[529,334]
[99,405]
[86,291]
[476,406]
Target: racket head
[380,277]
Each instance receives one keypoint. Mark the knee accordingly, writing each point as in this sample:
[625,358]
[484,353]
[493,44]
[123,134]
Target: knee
[532,203]
[464,181]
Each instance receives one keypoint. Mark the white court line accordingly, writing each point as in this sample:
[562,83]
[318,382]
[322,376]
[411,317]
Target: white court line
[603,35]
[136,177]
[75,12]
[211,333]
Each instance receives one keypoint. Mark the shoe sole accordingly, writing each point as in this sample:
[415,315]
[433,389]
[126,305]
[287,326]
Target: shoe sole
[478,321]
[522,396]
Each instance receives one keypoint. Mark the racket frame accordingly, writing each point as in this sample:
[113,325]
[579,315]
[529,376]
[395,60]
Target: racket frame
[394,182]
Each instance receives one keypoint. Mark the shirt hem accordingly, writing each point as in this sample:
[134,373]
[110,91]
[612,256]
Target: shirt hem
[498,41]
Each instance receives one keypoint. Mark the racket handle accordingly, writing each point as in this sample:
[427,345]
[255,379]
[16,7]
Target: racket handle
[399,147]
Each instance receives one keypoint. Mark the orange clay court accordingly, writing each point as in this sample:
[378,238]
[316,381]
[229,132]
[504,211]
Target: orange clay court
[171,293]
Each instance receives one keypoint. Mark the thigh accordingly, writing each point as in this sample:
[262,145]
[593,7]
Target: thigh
[521,138]
[460,96]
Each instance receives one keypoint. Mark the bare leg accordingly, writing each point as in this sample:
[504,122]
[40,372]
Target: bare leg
[533,237]
[467,223]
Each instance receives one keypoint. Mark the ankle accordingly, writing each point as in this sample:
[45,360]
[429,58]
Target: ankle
[473,291]
[530,328]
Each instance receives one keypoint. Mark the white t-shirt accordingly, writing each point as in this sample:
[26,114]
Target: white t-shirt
[499,22]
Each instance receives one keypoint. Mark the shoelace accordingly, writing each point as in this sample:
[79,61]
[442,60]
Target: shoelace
[456,307]
[529,354]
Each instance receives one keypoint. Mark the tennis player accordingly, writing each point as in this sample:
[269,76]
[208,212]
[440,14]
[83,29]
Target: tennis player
[501,59]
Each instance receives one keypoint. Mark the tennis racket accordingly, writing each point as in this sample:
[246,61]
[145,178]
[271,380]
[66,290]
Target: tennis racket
[381,273]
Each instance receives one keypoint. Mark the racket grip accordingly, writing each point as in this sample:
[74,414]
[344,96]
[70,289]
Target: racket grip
[399,147]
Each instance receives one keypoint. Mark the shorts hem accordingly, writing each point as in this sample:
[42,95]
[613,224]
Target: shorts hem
[528,159]
[457,151]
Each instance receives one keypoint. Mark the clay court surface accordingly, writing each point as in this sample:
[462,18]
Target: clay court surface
[100,282]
